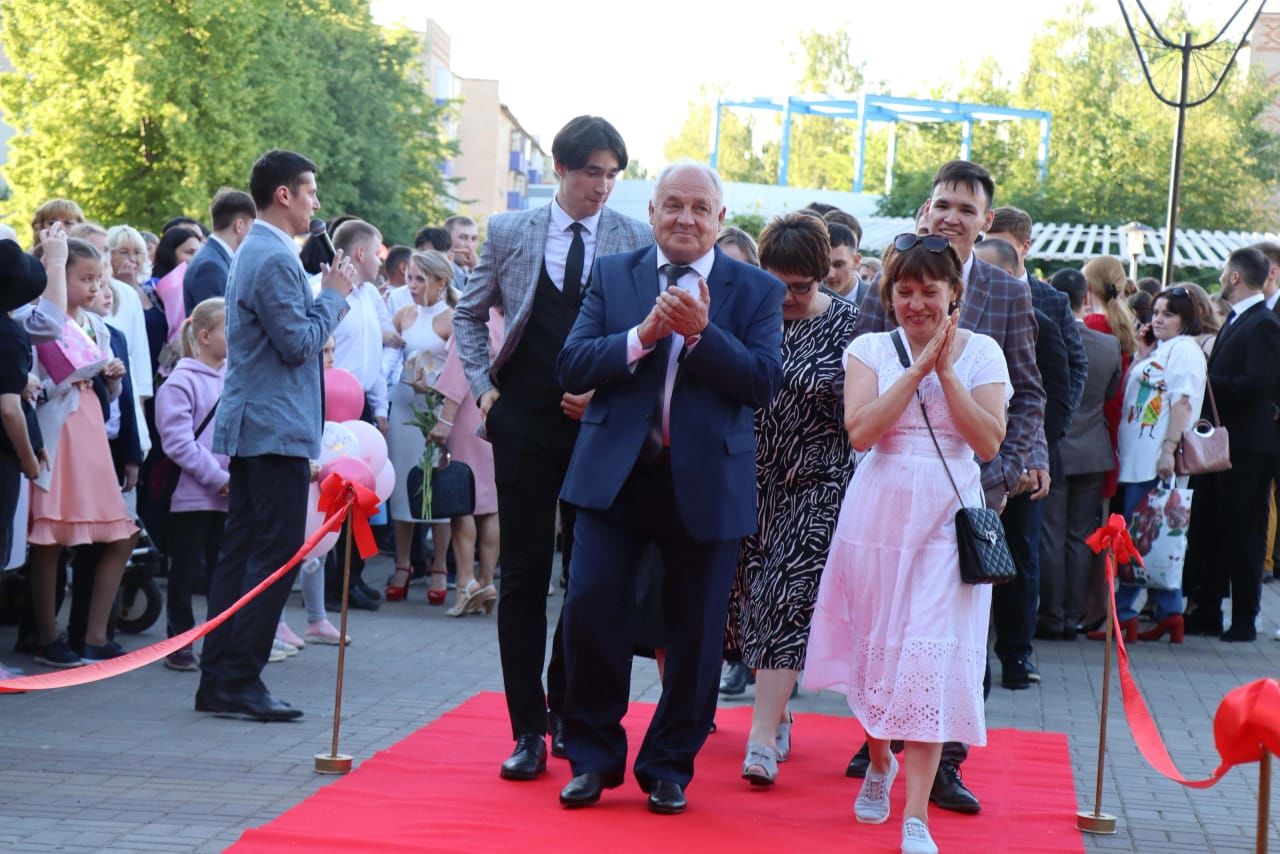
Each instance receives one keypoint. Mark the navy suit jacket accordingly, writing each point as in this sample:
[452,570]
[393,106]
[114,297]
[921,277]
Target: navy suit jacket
[735,368]
[126,448]
[206,275]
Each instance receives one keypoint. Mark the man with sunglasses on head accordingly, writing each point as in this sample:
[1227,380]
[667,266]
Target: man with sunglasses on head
[998,305]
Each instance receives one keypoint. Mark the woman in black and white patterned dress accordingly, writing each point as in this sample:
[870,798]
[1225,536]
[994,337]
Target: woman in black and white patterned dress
[803,464]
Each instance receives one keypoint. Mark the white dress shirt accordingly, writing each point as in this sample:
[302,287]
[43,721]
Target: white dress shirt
[1243,306]
[358,343]
[699,269]
[397,298]
[129,319]
[1272,300]
[560,238]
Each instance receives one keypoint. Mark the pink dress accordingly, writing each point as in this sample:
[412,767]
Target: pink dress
[464,444]
[83,503]
[895,629]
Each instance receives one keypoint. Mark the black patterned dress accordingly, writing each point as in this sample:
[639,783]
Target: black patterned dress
[803,465]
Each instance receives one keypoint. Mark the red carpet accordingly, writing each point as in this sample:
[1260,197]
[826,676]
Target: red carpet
[439,790]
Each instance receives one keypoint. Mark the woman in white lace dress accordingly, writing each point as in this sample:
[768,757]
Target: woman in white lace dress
[895,629]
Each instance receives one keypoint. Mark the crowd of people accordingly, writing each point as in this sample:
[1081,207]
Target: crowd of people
[750,448]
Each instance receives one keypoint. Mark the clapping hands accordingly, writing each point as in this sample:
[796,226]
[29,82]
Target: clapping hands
[940,353]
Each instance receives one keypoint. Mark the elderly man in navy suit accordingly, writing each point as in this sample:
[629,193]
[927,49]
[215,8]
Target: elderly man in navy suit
[232,212]
[681,344]
[269,423]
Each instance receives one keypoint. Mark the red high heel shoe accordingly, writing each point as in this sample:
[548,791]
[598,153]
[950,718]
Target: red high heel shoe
[434,596]
[1129,627]
[1172,625]
[398,592]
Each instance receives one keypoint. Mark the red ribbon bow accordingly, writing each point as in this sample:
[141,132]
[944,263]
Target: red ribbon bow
[1114,536]
[336,495]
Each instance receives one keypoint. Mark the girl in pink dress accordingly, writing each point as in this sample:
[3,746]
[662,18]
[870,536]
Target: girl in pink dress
[78,500]
[895,629]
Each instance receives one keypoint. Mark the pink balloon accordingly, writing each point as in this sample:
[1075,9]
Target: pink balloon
[315,519]
[352,469]
[371,443]
[343,396]
[385,482]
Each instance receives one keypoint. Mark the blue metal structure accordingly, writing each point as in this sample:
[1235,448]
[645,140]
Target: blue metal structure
[866,108]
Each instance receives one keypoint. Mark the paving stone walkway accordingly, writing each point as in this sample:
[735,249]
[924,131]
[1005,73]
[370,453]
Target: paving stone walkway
[126,765]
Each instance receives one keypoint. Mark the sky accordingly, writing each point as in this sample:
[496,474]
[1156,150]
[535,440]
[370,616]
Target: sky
[639,65]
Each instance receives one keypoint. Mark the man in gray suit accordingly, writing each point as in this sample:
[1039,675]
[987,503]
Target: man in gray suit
[535,266]
[269,422]
[1073,508]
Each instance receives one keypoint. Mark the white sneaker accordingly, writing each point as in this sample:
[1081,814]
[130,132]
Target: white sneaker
[916,838]
[280,651]
[1277,634]
[872,803]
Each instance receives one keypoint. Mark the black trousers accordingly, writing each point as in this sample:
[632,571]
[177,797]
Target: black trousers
[530,455]
[1072,511]
[11,480]
[1227,540]
[1014,604]
[196,539]
[266,524]
[600,625]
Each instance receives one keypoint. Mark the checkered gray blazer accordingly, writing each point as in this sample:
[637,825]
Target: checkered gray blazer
[998,305]
[510,263]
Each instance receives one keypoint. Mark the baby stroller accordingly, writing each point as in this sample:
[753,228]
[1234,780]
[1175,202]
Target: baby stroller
[140,602]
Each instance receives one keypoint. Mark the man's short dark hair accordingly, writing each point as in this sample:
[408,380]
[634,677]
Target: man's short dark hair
[277,168]
[396,256]
[1072,283]
[1149,284]
[1012,221]
[584,136]
[1005,254]
[457,221]
[848,220]
[842,235]
[433,237]
[796,243]
[966,173]
[187,223]
[228,205]
[1252,266]
[820,208]
[1271,249]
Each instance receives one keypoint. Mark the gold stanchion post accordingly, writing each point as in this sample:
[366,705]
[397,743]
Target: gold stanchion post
[1097,821]
[1264,801]
[334,762]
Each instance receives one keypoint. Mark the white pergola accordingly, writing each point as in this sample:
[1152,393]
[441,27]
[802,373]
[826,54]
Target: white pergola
[1054,241]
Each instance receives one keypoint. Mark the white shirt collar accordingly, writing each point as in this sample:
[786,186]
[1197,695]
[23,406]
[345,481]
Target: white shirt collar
[1272,300]
[1025,278]
[1246,304]
[702,266]
[271,229]
[560,221]
[230,252]
[966,268]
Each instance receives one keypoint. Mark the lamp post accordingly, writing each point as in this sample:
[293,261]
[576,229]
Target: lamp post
[1135,243]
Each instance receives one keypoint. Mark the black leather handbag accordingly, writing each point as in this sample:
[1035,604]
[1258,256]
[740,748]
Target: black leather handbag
[453,490]
[984,553]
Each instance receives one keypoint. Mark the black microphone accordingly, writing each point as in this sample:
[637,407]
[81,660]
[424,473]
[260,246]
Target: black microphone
[320,233]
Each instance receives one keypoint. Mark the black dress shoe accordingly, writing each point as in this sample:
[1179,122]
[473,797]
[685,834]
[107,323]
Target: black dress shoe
[861,760]
[1239,635]
[1043,632]
[734,680]
[1201,622]
[555,723]
[371,592]
[667,798]
[528,760]
[1033,672]
[358,599]
[950,793]
[1013,675]
[252,705]
[584,789]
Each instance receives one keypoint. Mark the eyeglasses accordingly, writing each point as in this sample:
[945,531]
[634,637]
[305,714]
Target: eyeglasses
[801,290]
[128,253]
[931,242]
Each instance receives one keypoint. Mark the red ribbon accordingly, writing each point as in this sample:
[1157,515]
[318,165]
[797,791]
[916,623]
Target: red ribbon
[1247,722]
[342,502]
[338,495]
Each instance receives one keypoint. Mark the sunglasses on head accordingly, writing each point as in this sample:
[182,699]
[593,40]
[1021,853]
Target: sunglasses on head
[931,242]
[1178,291]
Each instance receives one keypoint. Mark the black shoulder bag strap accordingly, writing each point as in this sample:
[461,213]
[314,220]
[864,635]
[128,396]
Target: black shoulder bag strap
[207,419]
[898,345]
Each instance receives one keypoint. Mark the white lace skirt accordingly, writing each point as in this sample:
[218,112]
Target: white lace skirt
[895,629]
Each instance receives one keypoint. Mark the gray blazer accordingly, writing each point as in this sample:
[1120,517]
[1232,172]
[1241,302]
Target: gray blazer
[1086,449]
[272,401]
[510,263]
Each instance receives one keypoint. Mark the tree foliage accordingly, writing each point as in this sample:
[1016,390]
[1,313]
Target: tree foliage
[139,112]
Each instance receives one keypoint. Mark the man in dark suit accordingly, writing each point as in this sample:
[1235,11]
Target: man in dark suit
[1271,290]
[1227,537]
[232,212]
[998,305]
[682,344]
[535,264]
[1073,508]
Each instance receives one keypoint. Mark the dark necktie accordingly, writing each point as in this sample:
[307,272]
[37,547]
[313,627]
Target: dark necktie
[653,443]
[573,264]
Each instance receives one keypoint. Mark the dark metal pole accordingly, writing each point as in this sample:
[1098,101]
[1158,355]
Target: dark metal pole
[1175,171]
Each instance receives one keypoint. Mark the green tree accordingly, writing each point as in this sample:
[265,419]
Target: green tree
[740,159]
[822,148]
[141,112]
